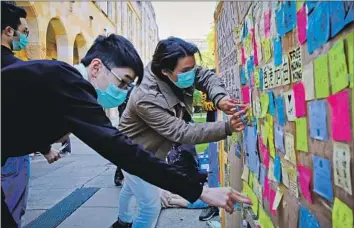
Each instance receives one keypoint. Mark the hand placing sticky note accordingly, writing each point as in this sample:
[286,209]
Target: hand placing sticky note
[341,124]
[301,134]
[338,67]
[322,177]
[318,120]
[305,180]
[300,102]
[342,215]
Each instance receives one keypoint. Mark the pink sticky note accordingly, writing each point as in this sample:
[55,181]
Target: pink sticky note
[301,24]
[271,201]
[267,16]
[243,57]
[305,180]
[254,45]
[341,124]
[246,94]
[300,102]
[266,188]
[264,152]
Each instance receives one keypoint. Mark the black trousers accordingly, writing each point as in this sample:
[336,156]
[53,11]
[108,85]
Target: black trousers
[6,217]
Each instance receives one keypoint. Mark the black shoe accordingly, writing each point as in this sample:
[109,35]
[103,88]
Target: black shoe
[120,224]
[208,213]
[118,177]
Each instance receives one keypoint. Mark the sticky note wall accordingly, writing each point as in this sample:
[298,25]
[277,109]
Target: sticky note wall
[296,72]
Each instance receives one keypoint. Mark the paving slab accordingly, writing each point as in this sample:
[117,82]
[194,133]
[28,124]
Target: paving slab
[30,215]
[105,197]
[45,198]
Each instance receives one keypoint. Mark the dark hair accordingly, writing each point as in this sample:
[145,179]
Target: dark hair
[166,56]
[115,51]
[11,14]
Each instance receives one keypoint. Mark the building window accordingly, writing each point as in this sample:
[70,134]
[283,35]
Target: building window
[110,10]
[130,24]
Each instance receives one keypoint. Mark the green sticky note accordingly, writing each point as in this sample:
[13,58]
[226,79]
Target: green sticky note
[301,134]
[299,4]
[338,67]
[350,57]
[321,76]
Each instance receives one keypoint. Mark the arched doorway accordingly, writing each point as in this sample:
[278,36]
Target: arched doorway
[33,50]
[80,48]
[57,46]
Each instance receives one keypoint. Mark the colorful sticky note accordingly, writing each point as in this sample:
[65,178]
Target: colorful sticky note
[243,76]
[250,66]
[271,136]
[341,124]
[261,79]
[349,12]
[318,120]
[272,194]
[322,177]
[293,186]
[278,196]
[279,104]
[308,81]
[321,76]
[264,220]
[342,215]
[286,70]
[271,171]
[300,103]
[310,5]
[278,52]
[299,5]
[318,27]
[245,173]
[256,78]
[262,174]
[284,175]
[249,192]
[266,188]
[277,168]
[279,137]
[350,56]
[301,25]
[290,148]
[264,104]
[338,67]
[267,16]
[290,105]
[307,219]
[271,103]
[341,166]
[251,148]
[295,64]
[337,16]
[245,94]
[266,45]
[305,180]
[286,17]
[301,134]
[243,56]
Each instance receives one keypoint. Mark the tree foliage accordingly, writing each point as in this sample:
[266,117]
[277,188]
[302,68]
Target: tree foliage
[208,57]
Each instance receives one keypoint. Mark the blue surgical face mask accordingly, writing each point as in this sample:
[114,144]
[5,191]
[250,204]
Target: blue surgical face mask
[18,45]
[185,80]
[112,96]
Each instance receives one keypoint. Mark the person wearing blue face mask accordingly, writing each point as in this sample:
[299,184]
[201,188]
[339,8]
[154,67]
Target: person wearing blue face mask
[158,116]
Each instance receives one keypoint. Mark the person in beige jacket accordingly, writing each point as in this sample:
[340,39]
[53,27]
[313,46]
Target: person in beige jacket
[157,117]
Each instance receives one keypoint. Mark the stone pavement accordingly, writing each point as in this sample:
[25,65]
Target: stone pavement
[49,184]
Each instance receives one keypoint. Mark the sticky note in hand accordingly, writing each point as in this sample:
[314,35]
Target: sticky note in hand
[242,116]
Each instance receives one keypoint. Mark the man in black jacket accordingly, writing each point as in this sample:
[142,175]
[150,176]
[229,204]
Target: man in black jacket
[56,99]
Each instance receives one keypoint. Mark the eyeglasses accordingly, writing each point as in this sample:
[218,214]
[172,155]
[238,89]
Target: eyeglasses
[123,82]
[25,32]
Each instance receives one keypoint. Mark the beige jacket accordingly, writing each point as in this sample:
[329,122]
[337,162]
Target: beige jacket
[151,117]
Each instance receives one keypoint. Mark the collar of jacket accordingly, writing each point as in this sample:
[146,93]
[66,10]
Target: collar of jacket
[166,90]
[6,50]
[82,69]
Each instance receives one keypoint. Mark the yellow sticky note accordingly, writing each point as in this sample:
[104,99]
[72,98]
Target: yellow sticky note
[245,173]
[299,4]
[290,148]
[350,57]
[271,136]
[264,104]
[265,133]
[248,46]
[264,219]
[247,190]
[341,166]
[266,44]
[293,186]
[271,171]
[342,215]
[338,67]
[277,199]
[284,174]
[301,134]
[256,78]
[321,76]
[250,180]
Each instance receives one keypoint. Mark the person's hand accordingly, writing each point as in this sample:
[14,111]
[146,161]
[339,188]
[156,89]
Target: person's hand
[64,138]
[223,197]
[236,122]
[52,156]
[227,105]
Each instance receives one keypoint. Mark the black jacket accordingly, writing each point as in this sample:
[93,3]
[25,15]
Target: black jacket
[44,100]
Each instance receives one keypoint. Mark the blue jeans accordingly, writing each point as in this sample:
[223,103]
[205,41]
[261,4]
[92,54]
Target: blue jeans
[147,199]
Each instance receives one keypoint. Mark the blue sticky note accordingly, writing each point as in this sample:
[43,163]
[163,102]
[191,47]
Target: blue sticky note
[271,103]
[286,17]
[243,77]
[318,27]
[279,137]
[318,120]
[310,5]
[279,103]
[278,55]
[251,150]
[337,16]
[260,78]
[322,177]
[250,66]
[277,168]
[245,30]
[349,11]
[262,174]
[238,150]
[307,219]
